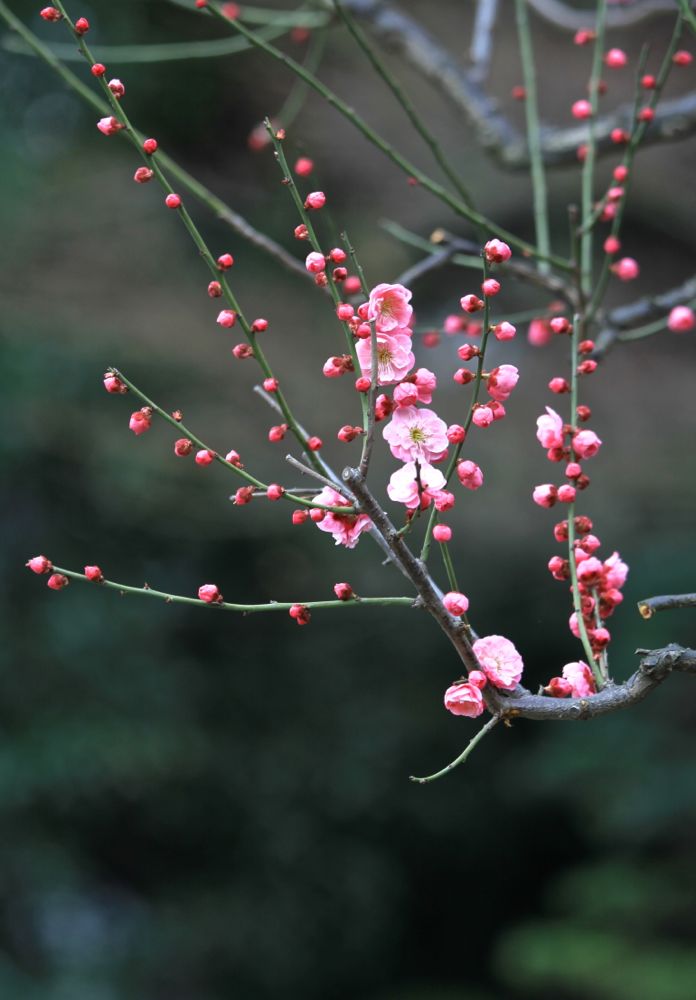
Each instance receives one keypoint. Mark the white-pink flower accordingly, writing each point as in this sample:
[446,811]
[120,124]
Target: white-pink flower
[389,307]
[464,699]
[615,572]
[580,678]
[395,359]
[345,528]
[499,660]
[403,484]
[550,429]
[586,444]
[416,435]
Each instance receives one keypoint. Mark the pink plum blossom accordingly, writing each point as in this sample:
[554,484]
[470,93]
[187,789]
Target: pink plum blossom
[545,495]
[470,475]
[389,307]
[550,429]
[403,484]
[614,572]
[416,435]
[345,528]
[457,604]
[501,381]
[499,660]
[395,359]
[539,332]
[464,699]
[497,252]
[681,318]
[483,416]
[586,444]
[580,678]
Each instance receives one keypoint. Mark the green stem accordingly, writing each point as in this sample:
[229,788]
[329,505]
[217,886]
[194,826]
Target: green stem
[289,181]
[454,202]
[462,756]
[160,52]
[687,13]
[536,157]
[638,130]
[478,378]
[575,589]
[407,105]
[295,100]
[247,609]
[185,432]
[449,566]
[371,396]
[590,155]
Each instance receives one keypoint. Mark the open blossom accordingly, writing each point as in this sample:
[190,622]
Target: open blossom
[550,429]
[389,307]
[501,381]
[345,528]
[499,660]
[395,359]
[403,484]
[586,444]
[464,699]
[416,435]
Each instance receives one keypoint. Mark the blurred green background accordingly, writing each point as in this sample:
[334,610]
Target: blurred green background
[197,806]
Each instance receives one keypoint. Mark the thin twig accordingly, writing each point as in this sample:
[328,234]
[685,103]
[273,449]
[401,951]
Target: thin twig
[247,609]
[462,756]
[407,105]
[531,105]
[306,470]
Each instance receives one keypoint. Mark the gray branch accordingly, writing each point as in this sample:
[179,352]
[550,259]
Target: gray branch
[668,602]
[655,666]
[641,311]
[564,16]
[402,35]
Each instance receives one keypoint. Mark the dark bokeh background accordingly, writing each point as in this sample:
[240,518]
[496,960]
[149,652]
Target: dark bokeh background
[196,806]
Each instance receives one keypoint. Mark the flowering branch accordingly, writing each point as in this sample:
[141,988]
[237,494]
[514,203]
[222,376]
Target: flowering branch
[186,181]
[217,602]
[411,170]
[655,666]
[234,465]
[408,107]
[399,33]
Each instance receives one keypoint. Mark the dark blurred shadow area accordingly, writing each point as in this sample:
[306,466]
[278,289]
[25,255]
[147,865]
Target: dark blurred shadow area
[202,806]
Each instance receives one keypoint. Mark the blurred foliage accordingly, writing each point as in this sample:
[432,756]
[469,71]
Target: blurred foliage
[199,807]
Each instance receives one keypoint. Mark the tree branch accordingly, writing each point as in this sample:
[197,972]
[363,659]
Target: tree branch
[642,310]
[571,18]
[649,605]
[655,666]
[402,35]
